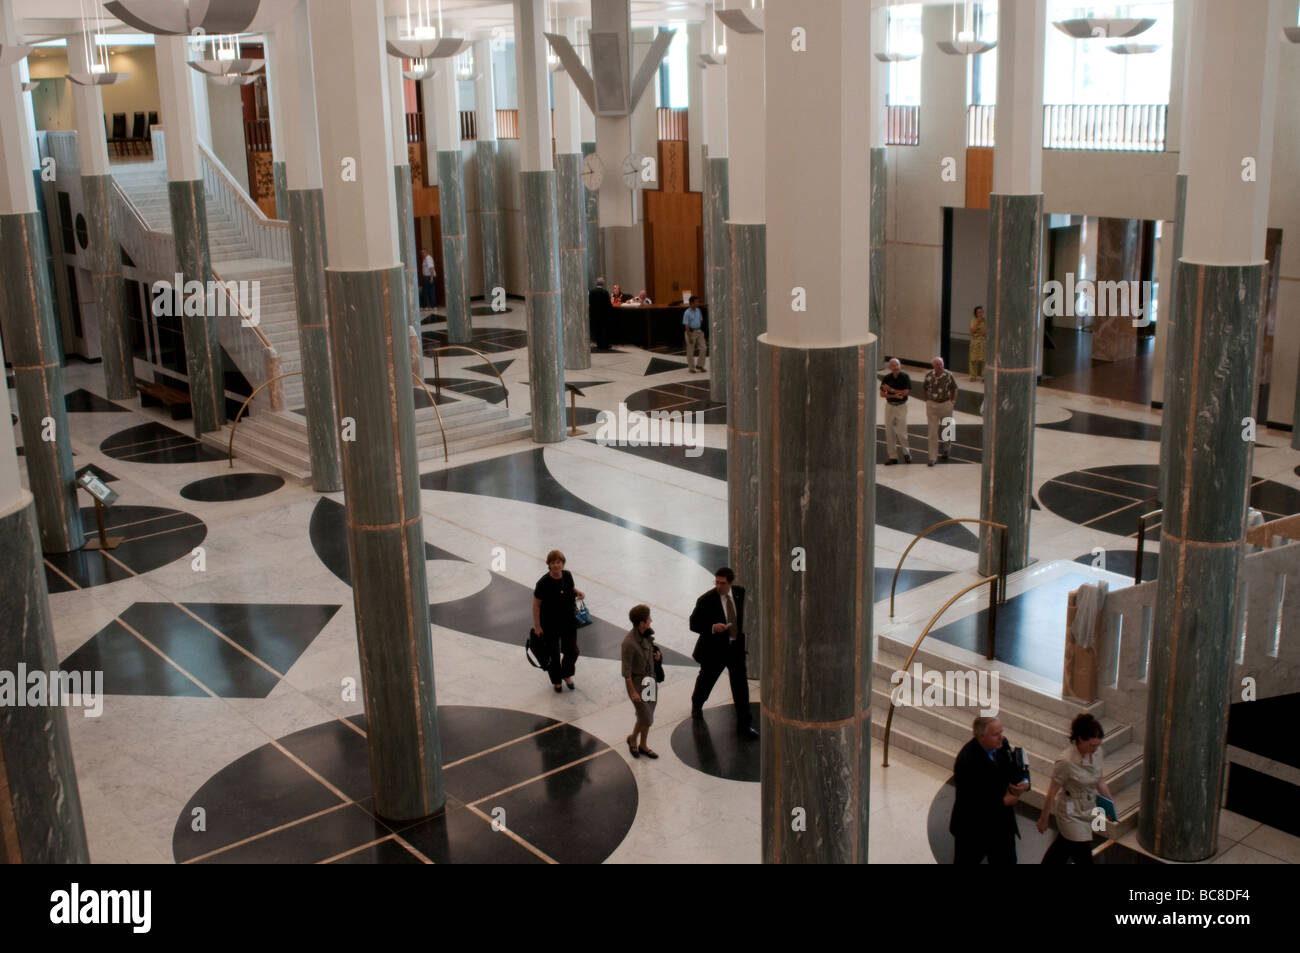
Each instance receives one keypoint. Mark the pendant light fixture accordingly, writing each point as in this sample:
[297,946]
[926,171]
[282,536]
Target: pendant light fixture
[1110,28]
[96,55]
[891,54]
[422,36]
[966,41]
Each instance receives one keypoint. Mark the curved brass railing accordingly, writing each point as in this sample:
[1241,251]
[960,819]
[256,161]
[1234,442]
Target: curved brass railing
[461,347]
[245,318]
[446,457]
[230,452]
[889,719]
[1002,555]
[244,406]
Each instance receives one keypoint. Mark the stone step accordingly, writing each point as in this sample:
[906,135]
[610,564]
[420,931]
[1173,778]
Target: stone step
[270,437]
[485,434]
[267,458]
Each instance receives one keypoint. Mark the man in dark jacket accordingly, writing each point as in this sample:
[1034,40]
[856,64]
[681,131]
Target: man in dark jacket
[719,621]
[988,787]
[599,315]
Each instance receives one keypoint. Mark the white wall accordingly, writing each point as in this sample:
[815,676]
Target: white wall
[226,112]
[970,266]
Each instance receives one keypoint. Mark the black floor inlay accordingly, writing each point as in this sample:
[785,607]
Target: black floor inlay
[692,395]
[1266,727]
[155,443]
[711,744]
[231,486]
[487,340]
[276,635]
[151,537]
[1124,561]
[1030,630]
[487,369]
[84,402]
[1102,425]
[536,782]
[712,462]
[967,448]
[658,365]
[1262,797]
[524,477]
[1112,498]
[490,391]
[420,399]
[328,531]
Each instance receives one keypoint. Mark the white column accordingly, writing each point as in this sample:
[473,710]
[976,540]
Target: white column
[176,101]
[816,234]
[879,76]
[485,103]
[695,108]
[568,121]
[442,109]
[534,90]
[88,111]
[356,147]
[1018,133]
[273,104]
[17,191]
[397,110]
[300,150]
[747,127]
[715,110]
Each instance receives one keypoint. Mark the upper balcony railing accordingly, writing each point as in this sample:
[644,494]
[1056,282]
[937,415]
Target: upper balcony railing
[673,125]
[902,125]
[1112,127]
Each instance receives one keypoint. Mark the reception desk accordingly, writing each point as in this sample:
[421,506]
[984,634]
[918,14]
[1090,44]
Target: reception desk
[652,326]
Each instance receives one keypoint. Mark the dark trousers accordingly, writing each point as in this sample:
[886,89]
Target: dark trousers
[972,848]
[566,645]
[734,662]
[1063,849]
[428,293]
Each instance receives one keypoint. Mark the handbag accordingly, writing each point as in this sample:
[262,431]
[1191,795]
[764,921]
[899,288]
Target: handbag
[581,614]
[537,651]
[659,665]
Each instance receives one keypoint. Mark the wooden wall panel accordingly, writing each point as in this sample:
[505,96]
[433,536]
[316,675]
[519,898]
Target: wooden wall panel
[673,233]
[979,177]
[673,171]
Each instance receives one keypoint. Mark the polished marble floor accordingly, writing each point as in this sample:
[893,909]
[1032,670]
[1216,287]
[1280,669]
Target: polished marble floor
[224,627]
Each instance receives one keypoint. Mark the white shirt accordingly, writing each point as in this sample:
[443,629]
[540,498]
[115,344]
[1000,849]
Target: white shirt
[428,267]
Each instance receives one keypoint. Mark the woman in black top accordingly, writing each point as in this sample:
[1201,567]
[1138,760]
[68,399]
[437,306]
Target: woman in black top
[554,599]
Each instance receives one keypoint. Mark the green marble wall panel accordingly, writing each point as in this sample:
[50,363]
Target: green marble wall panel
[485,154]
[109,289]
[455,262]
[748,271]
[42,812]
[202,346]
[1194,637]
[1168,322]
[406,239]
[592,204]
[381,483]
[32,347]
[717,275]
[307,236]
[280,182]
[817,497]
[571,217]
[879,193]
[1006,475]
[545,325]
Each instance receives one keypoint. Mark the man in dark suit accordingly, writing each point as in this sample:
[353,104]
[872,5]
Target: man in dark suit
[600,315]
[719,621]
[988,787]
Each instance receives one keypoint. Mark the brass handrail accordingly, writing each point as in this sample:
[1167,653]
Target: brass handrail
[230,452]
[889,719]
[244,406]
[244,316]
[461,347]
[446,457]
[1002,555]
[1141,543]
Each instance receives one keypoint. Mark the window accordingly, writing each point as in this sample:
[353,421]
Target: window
[903,35]
[982,68]
[671,90]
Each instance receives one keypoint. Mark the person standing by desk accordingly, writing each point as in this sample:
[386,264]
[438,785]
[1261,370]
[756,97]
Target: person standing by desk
[693,324]
[599,315]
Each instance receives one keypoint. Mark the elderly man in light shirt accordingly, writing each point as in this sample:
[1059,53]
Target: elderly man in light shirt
[693,325]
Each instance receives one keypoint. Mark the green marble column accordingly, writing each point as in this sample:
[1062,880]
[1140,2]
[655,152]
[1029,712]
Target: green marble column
[1193,640]
[485,152]
[280,180]
[203,362]
[109,289]
[879,191]
[748,297]
[571,213]
[307,233]
[592,200]
[1169,321]
[406,239]
[455,263]
[818,497]
[717,289]
[545,324]
[381,482]
[40,805]
[1006,475]
[31,346]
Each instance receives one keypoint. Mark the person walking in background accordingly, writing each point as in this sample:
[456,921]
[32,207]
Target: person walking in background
[894,387]
[428,282]
[1072,796]
[599,314]
[988,786]
[719,620]
[639,656]
[554,604]
[940,396]
[693,325]
[978,338]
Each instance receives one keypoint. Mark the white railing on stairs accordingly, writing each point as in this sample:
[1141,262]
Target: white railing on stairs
[62,147]
[153,252]
[1265,635]
[269,236]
